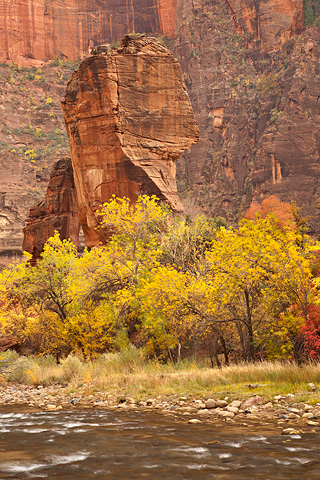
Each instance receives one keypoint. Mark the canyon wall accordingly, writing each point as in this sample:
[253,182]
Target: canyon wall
[251,70]
[255,95]
[34,30]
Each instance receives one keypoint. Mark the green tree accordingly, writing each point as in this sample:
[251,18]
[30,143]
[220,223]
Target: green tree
[309,15]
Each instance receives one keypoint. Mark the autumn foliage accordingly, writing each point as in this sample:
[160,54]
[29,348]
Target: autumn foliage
[281,210]
[173,287]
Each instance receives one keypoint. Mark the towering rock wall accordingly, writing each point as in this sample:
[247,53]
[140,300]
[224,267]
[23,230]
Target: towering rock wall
[251,71]
[39,30]
[255,95]
[129,118]
[268,24]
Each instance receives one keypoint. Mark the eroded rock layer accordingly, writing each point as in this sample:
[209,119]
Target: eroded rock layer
[57,212]
[129,118]
[257,109]
[39,30]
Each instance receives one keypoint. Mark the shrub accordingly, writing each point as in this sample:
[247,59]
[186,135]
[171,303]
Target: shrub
[72,367]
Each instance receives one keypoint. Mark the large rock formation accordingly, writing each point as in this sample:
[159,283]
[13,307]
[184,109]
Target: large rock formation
[129,118]
[57,212]
[39,30]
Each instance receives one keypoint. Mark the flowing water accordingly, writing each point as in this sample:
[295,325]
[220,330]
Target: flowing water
[99,444]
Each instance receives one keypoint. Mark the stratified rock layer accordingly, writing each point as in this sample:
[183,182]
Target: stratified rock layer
[129,118]
[35,30]
[57,212]
[256,104]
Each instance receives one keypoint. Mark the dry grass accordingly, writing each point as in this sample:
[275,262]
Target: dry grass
[126,373]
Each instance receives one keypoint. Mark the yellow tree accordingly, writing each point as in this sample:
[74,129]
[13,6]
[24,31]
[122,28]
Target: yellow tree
[255,273]
[30,293]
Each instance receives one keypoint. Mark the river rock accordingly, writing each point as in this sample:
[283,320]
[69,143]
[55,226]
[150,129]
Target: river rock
[234,410]
[292,416]
[307,415]
[294,410]
[204,412]
[290,431]
[255,400]
[226,414]
[235,403]
[307,407]
[312,423]
[210,403]
[221,403]
[194,420]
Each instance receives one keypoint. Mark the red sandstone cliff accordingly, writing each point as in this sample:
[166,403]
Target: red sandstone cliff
[129,118]
[251,74]
[255,98]
[38,30]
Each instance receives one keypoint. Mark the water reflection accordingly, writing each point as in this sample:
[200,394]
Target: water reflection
[99,444]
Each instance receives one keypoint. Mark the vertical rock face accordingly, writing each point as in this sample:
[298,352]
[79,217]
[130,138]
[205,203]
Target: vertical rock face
[39,30]
[57,212]
[256,104]
[129,118]
[270,23]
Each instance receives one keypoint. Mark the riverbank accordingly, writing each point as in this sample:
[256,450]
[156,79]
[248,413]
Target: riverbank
[283,395]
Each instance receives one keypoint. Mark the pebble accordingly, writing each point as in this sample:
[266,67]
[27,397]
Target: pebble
[312,423]
[255,400]
[194,420]
[307,415]
[204,412]
[294,410]
[308,407]
[232,409]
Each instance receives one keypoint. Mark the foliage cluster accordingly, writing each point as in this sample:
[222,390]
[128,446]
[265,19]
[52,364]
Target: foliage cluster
[171,287]
[311,11]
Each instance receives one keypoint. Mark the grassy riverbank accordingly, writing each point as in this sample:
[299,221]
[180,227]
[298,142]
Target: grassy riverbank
[127,374]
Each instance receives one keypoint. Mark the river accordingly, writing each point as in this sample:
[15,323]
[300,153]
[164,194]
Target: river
[102,444]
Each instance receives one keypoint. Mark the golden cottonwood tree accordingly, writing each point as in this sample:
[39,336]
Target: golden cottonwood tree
[255,273]
[29,293]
